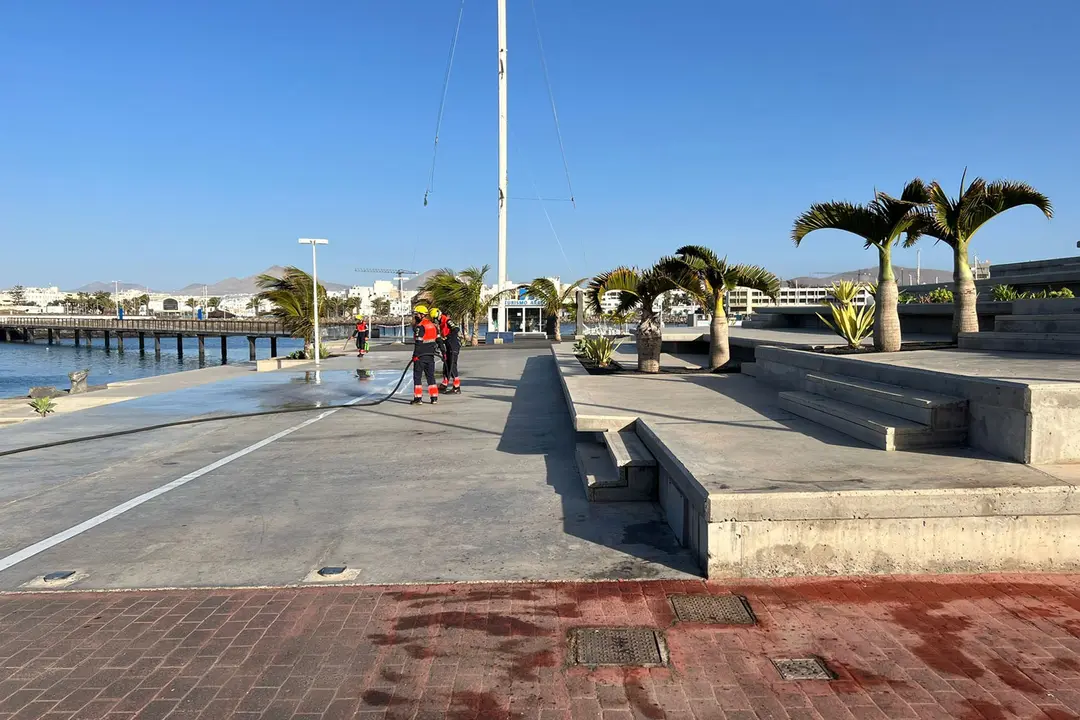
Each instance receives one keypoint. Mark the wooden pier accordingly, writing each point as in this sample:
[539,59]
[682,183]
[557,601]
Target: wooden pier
[24,327]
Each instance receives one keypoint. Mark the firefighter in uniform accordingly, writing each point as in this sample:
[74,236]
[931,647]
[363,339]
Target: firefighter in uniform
[361,336]
[426,336]
[451,335]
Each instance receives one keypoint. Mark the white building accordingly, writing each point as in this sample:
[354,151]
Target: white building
[744,300]
[40,296]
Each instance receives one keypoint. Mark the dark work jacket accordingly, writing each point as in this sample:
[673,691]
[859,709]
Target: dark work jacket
[451,334]
[425,336]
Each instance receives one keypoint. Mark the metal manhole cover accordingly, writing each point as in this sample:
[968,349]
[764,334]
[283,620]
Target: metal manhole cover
[617,646]
[712,609]
[811,668]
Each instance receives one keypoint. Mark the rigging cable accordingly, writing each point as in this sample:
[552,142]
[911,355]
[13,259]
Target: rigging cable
[442,102]
[551,97]
[543,207]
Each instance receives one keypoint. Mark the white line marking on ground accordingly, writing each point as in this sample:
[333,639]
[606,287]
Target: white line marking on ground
[42,546]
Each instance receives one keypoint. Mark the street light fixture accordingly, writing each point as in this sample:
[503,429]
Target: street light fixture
[315,288]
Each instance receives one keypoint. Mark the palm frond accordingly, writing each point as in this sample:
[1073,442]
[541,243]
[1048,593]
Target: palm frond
[898,214]
[754,277]
[699,252]
[858,220]
[624,279]
[999,196]
[687,276]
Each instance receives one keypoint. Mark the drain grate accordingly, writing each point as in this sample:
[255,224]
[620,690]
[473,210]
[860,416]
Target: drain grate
[712,609]
[58,575]
[617,646]
[810,668]
[331,570]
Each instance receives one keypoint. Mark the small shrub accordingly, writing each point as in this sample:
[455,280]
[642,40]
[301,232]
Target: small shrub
[599,349]
[854,324]
[1062,294]
[906,298]
[937,295]
[296,355]
[43,405]
[1004,293]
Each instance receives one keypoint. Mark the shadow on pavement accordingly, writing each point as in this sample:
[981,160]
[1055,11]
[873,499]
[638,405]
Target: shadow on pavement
[539,424]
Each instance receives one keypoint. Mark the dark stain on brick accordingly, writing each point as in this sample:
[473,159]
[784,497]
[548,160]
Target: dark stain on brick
[1058,713]
[524,667]
[390,675]
[985,710]
[640,702]
[378,698]
[1015,678]
[940,642]
[1065,664]
[469,705]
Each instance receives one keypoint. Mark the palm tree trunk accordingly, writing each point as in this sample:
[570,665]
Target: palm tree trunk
[965,314]
[886,317]
[719,348]
[648,343]
[475,339]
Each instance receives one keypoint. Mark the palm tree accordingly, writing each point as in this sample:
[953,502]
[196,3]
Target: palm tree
[637,289]
[290,302]
[463,296]
[254,304]
[955,222]
[555,301]
[708,278]
[70,303]
[880,223]
[380,306]
[192,303]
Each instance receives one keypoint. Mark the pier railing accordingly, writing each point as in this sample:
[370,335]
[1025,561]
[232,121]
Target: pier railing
[162,326]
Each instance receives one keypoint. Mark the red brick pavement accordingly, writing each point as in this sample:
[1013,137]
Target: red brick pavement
[982,647]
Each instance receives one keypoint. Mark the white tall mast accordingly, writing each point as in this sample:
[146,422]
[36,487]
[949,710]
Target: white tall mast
[503,178]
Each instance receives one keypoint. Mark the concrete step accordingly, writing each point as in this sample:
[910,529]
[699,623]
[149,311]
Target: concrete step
[1058,323]
[1052,343]
[635,464]
[749,368]
[601,478]
[878,429]
[1046,306]
[940,412]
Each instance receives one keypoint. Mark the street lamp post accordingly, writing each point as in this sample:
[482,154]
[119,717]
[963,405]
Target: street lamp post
[314,288]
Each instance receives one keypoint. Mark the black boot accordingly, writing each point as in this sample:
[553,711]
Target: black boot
[456,390]
[416,401]
[434,399]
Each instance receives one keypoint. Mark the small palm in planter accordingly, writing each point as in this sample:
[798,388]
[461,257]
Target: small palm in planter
[43,405]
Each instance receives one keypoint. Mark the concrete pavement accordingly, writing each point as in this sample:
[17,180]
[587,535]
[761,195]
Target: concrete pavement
[481,487]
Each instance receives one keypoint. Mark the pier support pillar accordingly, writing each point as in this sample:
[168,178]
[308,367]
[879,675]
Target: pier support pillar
[224,350]
[273,347]
[202,348]
[120,341]
[180,345]
[142,342]
[108,339]
[3,335]
[50,336]
[28,335]
[251,349]
[157,346]
[78,337]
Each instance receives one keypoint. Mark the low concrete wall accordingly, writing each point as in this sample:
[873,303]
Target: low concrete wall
[915,319]
[1029,422]
[859,546]
[572,378]
[278,363]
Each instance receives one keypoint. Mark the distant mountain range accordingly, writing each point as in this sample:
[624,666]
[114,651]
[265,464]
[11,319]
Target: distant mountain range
[904,276]
[228,286]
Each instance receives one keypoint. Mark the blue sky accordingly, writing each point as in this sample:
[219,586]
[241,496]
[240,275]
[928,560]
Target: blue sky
[186,141]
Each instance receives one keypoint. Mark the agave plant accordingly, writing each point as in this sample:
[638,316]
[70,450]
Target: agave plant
[844,292]
[43,405]
[880,223]
[708,278]
[850,322]
[637,289]
[954,221]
